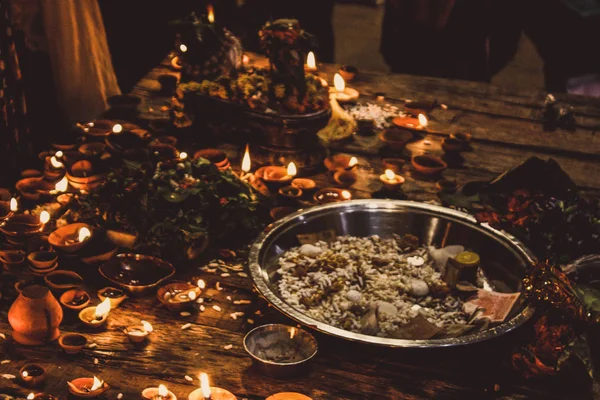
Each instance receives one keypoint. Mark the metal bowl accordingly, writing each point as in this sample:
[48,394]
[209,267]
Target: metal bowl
[280,350]
[504,259]
[136,273]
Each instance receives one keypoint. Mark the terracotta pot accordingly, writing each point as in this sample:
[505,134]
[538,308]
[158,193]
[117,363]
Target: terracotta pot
[35,316]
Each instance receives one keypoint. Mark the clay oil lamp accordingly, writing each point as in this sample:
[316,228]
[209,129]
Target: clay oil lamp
[178,295]
[170,140]
[138,333]
[168,83]
[207,392]
[8,204]
[82,175]
[446,186]
[342,93]
[95,316]
[75,299]
[215,156]
[396,138]
[53,169]
[311,63]
[136,273]
[42,259]
[20,227]
[92,150]
[332,195]
[418,124]
[345,178]
[288,396]
[276,176]
[71,238]
[98,129]
[28,188]
[290,193]
[158,393]
[390,180]
[35,316]
[305,184]
[32,375]
[428,165]
[115,296]
[394,164]
[41,396]
[348,72]
[452,145]
[280,212]
[72,343]
[280,350]
[340,161]
[11,259]
[162,152]
[87,387]
[60,280]
[60,186]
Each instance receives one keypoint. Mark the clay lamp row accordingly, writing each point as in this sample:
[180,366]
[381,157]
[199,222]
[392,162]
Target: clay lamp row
[138,333]
[207,392]
[87,387]
[178,295]
[95,316]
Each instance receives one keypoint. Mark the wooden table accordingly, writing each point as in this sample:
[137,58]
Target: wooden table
[507,129]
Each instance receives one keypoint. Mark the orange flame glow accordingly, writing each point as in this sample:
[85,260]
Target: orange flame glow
[339,83]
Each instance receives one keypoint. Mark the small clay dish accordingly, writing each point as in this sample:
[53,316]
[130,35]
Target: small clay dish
[428,165]
[63,280]
[338,161]
[66,238]
[464,137]
[280,350]
[446,186]
[345,178]
[32,375]
[75,299]
[273,175]
[307,185]
[395,164]
[290,192]
[177,296]
[72,343]
[396,138]
[168,83]
[115,296]
[136,334]
[348,72]
[80,387]
[136,273]
[331,195]
[280,212]
[42,272]
[11,259]
[88,317]
[42,259]
[92,149]
[451,145]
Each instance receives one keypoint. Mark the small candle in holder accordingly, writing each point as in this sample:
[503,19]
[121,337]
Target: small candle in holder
[158,393]
[277,175]
[138,333]
[55,164]
[207,392]
[87,387]
[419,123]
[32,375]
[60,186]
[95,316]
[390,180]
[342,93]
[311,63]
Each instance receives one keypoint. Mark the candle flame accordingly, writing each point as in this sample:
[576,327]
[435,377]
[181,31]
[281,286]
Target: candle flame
[30,396]
[291,169]
[162,390]
[83,234]
[192,295]
[103,308]
[339,83]
[183,48]
[97,384]
[62,185]
[44,217]
[201,284]
[59,153]
[389,174]
[204,385]
[14,205]
[183,155]
[245,59]
[292,332]
[25,374]
[423,120]
[211,14]
[310,60]
[246,162]
[147,326]
[353,161]
[117,128]
[346,195]
[55,163]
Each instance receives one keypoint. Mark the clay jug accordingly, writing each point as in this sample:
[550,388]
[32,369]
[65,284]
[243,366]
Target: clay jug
[35,316]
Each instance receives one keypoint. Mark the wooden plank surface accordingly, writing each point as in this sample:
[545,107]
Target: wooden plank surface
[507,130]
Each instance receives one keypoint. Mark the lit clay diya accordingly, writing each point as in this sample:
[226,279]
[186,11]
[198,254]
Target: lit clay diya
[394,164]
[75,299]
[332,195]
[87,387]
[178,295]
[72,343]
[138,333]
[71,238]
[411,123]
[305,184]
[290,192]
[158,393]
[19,227]
[207,392]
[341,92]
[340,161]
[428,165]
[274,175]
[115,296]
[95,316]
[345,178]
[288,396]
[396,138]
[32,375]
[41,396]
[390,180]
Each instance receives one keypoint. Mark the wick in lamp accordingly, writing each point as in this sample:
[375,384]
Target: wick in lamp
[207,392]
[158,393]
[342,93]
[95,316]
